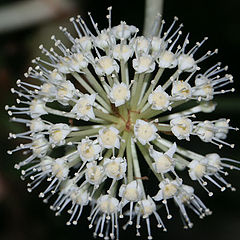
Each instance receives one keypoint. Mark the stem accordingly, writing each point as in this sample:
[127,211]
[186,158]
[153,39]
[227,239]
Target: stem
[124,140]
[151,87]
[189,111]
[148,159]
[164,148]
[93,81]
[59,113]
[91,91]
[70,115]
[152,8]
[123,110]
[129,161]
[84,133]
[163,127]
[136,92]
[137,171]
[182,151]
[124,72]
[106,116]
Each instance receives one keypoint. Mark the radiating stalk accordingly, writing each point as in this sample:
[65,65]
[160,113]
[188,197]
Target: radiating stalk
[129,161]
[136,166]
[148,159]
[91,91]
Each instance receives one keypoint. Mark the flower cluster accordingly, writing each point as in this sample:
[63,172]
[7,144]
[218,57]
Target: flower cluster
[102,108]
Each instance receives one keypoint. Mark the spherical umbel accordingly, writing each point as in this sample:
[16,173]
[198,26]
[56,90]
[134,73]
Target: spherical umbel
[111,112]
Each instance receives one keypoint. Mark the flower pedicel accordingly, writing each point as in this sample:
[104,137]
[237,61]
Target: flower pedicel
[115,98]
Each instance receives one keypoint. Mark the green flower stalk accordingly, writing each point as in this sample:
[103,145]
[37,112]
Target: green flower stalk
[115,96]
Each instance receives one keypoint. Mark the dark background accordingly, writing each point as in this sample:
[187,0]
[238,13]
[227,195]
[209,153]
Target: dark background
[23,216]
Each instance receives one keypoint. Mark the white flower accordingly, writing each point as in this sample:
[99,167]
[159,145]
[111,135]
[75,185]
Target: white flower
[122,52]
[115,167]
[119,94]
[56,77]
[186,197]
[60,169]
[106,65]
[167,60]
[222,126]
[124,31]
[37,125]
[65,92]
[181,127]
[46,163]
[205,131]
[84,43]
[131,192]
[37,108]
[146,208]
[186,63]
[108,204]
[159,99]
[214,161]
[141,45]
[94,173]
[83,109]
[63,65]
[58,132]
[108,207]
[109,138]
[181,90]
[40,145]
[49,91]
[80,196]
[144,131]
[144,64]
[78,62]
[104,40]
[168,189]
[203,88]
[158,44]
[88,150]
[164,162]
[197,169]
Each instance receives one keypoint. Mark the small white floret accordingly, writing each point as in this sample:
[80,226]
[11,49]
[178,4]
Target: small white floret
[60,169]
[131,192]
[65,92]
[181,90]
[115,168]
[186,63]
[109,138]
[37,108]
[159,99]
[181,127]
[83,109]
[167,59]
[144,64]
[58,132]
[122,52]
[94,173]
[164,162]
[88,150]
[106,66]
[123,31]
[145,131]
[119,94]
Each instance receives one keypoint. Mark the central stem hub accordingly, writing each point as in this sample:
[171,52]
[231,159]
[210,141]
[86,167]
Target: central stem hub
[131,120]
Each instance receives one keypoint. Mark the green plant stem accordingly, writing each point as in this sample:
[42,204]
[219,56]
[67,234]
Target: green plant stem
[152,8]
